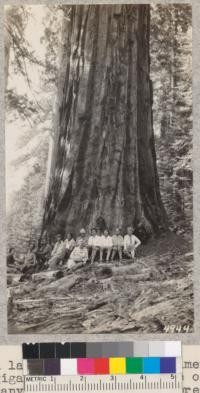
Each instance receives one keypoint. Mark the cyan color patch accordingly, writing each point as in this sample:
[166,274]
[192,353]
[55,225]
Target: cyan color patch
[151,365]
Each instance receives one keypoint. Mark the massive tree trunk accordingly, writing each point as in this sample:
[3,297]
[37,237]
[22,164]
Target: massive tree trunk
[104,158]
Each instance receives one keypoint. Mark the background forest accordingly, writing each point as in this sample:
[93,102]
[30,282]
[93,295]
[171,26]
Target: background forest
[80,85]
[31,69]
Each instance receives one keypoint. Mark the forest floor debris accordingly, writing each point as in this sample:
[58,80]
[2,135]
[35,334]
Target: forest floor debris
[148,295]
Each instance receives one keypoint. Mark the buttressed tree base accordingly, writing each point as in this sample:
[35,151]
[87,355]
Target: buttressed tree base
[104,163]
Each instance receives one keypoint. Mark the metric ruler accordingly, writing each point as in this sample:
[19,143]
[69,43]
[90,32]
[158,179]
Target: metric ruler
[105,383]
[103,367]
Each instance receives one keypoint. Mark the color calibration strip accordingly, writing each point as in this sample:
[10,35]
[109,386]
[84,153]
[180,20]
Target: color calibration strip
[75,350]
[95,366]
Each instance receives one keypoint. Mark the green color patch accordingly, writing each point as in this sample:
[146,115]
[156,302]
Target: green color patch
[134,365]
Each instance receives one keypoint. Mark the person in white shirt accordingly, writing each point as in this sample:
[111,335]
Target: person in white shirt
[92,238]
[118,244]
[105,245]
[70,243]
[131,242]
[57,254]
[94,243]
[98,240]
[78,255]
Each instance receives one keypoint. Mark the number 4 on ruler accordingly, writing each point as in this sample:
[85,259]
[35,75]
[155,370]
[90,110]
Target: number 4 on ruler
[106,383]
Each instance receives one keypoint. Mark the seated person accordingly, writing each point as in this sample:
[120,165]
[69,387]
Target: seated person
[95,243]
[118,243]
[82,238]
[99,237]
[57,254]
[11,257]
[131,242]
[78,255]
[105,245]
[30,260]
[12,264]
[92,244]
[70,243]
[43,254]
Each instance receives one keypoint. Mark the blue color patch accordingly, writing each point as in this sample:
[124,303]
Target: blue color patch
[151,365]
[168,365]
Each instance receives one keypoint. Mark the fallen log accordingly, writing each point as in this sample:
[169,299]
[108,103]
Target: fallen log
[45,275]
[60,286]
[128,269]
[138,277]
[97,305]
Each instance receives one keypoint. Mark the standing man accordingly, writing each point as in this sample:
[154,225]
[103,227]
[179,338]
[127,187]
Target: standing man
[118,243]
[131,242]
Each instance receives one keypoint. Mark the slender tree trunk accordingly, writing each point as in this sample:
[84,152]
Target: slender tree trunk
[6,49]
[105,162]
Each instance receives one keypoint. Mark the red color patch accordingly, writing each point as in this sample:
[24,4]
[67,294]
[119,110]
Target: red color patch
[101,366]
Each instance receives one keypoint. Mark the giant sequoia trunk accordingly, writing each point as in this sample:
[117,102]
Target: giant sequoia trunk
[104,162]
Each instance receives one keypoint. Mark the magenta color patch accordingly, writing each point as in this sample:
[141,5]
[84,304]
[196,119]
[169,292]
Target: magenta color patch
[85,366]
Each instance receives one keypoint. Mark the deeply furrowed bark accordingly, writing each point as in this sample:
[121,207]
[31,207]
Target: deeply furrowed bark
[104,156]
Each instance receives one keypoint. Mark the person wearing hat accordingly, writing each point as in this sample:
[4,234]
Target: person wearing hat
[82,238]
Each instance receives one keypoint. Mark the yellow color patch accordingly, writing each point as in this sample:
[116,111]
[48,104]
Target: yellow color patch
[117,366]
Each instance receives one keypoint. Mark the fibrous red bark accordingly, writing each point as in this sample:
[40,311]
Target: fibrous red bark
[104,162]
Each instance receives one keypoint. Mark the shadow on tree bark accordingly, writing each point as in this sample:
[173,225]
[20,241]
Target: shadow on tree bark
[104,162]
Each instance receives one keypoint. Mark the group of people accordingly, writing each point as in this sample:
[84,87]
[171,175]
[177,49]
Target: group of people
[97,246]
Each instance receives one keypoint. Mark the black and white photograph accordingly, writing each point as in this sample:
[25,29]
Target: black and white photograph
[99,179]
